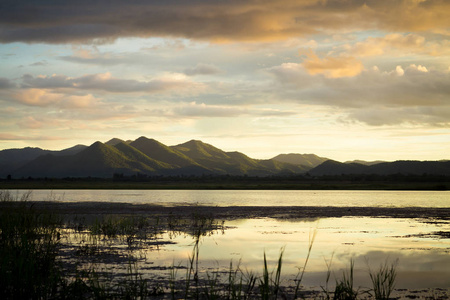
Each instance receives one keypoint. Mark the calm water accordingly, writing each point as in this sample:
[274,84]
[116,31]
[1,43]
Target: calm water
[423,262]
[423,257]
[254,198]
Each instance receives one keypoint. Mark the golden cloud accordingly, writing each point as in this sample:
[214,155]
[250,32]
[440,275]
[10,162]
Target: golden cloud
[43,98]
[332,67]
[410,43]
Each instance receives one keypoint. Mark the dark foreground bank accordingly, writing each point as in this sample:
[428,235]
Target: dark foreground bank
[292,182]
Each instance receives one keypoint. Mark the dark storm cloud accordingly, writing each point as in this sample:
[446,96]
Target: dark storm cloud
[103,21]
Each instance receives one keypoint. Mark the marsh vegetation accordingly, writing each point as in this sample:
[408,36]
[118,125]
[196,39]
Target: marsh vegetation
[48,255]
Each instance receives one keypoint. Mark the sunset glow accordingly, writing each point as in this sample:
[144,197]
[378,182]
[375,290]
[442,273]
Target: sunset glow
[341,79]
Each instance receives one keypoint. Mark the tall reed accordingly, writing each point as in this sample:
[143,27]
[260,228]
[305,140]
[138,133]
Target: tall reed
[383,280]
[299,277]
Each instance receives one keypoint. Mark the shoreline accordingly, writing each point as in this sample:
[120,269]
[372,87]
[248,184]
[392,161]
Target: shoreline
[244,183]
[238,212]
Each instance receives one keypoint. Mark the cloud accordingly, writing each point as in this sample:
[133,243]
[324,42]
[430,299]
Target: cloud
[30,123]
[202,69]
[332,67]
[413,93]
[293,75]
[160,53]
[107,83]
[104,21]
[94,56]
[410,43]
[44,98]
[403,86]
[37,97]
[10,137]
[5,83]
[39,64]
[379,116]
[14,137]
[203,110]
[194,109]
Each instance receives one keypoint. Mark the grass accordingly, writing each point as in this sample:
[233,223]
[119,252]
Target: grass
[29,244]
[33,265]
[383,280]
[345,286]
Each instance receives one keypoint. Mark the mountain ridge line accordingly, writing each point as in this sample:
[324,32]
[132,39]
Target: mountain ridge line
[149,157]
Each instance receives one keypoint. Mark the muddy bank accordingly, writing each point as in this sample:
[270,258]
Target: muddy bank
[240,212]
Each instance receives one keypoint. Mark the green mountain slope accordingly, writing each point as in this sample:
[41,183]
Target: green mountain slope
[308,160]
[208,157]
[233,163]
[150,157]
[197,150]
[139,159]
[98,160]
[162,153]
[282,167]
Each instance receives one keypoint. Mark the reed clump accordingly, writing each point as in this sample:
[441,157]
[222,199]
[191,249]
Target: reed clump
[29,244]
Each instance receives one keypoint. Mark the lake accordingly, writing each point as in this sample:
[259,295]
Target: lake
[253,198]
[419,246]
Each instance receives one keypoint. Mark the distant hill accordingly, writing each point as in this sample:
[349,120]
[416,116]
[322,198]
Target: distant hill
[412,167]
[69,151]
[308,160]
[114,141]
[331,167]
[12,159]
[363,162]
[148,157]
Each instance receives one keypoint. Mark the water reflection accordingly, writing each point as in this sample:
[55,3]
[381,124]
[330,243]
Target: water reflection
[158,246]
[423,261]
[252,197]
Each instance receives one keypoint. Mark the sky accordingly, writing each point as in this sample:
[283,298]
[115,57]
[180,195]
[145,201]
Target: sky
[343,79]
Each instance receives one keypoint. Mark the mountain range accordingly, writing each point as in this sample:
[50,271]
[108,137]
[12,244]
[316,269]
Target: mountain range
[149,157]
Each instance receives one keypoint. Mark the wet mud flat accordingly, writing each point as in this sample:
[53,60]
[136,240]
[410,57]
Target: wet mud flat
[242,212]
